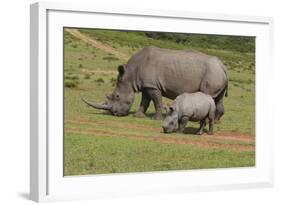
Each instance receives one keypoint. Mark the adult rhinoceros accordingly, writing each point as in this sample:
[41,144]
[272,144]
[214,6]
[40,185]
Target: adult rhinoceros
[158,72]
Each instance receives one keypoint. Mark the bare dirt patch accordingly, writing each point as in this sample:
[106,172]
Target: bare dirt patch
[97,44]
[114,124]
[206,142]
[218,136]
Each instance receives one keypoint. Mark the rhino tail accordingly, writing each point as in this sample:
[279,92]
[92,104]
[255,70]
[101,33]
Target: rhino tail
[225,90]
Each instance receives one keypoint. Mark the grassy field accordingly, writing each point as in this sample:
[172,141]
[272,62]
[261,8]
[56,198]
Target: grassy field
[96,142]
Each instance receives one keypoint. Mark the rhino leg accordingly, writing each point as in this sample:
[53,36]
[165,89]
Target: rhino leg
[145,101]
[156,97]
[219,111]
[182,123]
[211,127]
[212,119]
[202,125]
[219,106]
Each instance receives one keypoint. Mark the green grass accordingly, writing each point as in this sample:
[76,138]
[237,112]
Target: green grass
[89,148]
[101,155]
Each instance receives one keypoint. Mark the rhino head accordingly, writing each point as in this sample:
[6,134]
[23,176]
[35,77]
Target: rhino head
[120,101]
[170,122]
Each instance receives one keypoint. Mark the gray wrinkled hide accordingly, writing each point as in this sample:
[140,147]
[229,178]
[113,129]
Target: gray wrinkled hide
[175,72]
[193,107]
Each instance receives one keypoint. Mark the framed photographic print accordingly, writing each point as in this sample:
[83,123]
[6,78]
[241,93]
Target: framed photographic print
[130,102]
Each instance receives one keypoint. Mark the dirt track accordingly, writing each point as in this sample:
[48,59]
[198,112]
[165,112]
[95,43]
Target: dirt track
[222,140]
[97,44]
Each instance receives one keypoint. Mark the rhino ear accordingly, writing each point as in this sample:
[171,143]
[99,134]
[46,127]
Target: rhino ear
[172,108]
[121,71]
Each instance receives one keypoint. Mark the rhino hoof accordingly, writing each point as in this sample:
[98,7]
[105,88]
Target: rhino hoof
[210,133]
[199,133]
[139,114]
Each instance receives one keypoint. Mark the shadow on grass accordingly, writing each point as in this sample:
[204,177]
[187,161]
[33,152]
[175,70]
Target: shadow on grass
[192,130]
[131,114]
[98,113]
[152,114]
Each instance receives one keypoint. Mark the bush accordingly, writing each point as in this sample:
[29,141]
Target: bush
[71,83]
[100,80]
[234,43]
[113,81]
[71,77]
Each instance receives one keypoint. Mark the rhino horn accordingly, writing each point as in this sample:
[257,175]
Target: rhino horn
[97,105]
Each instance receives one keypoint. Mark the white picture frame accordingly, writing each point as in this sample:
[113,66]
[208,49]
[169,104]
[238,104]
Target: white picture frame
[47,182]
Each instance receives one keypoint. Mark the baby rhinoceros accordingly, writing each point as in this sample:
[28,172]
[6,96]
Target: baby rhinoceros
[190,107]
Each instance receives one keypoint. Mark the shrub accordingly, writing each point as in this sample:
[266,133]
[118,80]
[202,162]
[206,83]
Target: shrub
[100,80]
[71,77]
[71,83]
[113,81]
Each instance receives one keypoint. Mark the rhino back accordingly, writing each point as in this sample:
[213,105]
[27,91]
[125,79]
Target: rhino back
[172,71]
[196,105]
